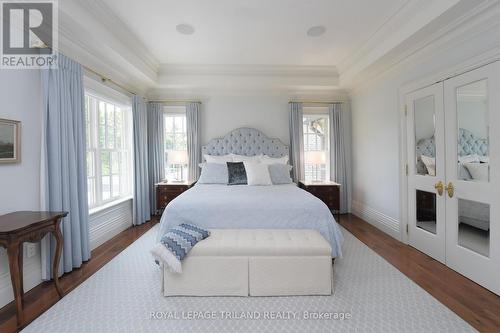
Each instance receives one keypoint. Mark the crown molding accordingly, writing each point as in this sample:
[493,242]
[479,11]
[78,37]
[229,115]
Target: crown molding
[244,79]
[413,28]
[247,70]
[100,10]
[111,53]
[206,93]
[461,31]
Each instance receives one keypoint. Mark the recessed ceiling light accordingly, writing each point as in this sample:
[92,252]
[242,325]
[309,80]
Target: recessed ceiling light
[184,29]
[316,31]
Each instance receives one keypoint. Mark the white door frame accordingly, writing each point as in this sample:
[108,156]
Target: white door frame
[464,67]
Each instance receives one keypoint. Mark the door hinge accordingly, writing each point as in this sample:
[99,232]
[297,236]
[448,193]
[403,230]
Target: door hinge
[406,169]
[407,229]
[406,110]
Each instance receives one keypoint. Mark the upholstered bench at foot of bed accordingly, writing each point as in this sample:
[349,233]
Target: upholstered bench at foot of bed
[255,262]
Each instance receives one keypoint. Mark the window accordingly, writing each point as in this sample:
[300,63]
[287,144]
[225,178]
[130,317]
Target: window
[316,144]
[109,156]
[176,158]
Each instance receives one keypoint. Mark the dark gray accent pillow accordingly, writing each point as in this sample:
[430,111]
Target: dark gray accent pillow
[236,173]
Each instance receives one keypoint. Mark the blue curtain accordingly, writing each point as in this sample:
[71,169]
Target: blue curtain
[156,150]
[340,165]
[63,163]
[297,141]
[142,211]
[193,125]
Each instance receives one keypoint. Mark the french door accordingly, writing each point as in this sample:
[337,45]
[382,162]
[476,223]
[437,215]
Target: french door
[472,114]
[426,209]
[453,146]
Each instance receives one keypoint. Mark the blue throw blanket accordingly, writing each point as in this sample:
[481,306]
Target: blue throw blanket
[176,244]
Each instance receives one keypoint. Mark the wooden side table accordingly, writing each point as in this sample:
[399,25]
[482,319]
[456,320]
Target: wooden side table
[19,227]
[326,191]
[166,192]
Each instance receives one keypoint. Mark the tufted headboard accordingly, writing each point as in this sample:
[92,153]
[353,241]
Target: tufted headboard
[468,144]
[245,141]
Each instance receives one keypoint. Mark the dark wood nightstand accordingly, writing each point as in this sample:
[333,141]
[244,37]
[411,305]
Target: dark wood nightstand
[327,191]
[166,192]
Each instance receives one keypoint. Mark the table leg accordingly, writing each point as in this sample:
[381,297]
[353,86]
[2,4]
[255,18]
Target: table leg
[20,265]
[16,278]
[57,257]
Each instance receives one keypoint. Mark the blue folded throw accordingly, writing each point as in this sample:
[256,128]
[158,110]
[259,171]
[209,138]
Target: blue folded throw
[177,243]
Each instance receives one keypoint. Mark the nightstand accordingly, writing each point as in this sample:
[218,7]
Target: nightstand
[166,192]
[327,191]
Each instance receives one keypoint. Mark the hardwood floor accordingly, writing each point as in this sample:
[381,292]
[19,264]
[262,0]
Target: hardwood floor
[476,305]
[43,296]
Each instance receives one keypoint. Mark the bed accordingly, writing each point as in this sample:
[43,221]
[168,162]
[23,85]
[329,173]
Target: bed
[251,207]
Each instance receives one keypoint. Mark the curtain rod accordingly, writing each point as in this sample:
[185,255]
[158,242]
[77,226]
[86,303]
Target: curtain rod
[165,101]
[106,79]
[316,102]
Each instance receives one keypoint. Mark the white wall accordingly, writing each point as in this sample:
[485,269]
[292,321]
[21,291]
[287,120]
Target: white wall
[375,120]
[268,113]
[20,183]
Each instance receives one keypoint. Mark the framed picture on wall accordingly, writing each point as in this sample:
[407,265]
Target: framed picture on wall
[10,141]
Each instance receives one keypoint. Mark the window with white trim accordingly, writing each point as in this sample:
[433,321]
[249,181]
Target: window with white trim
[316,144]
[176,157]
[109,150]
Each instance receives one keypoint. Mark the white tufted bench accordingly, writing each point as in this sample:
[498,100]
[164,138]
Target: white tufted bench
[255,262]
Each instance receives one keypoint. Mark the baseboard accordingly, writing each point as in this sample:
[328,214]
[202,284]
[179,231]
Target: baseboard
[387,224]
[31,278]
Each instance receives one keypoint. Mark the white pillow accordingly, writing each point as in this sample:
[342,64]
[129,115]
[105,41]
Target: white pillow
[271,160]
[244,158]
[468,158]
[257,173]
[218,159]
[430,164]
[478,171]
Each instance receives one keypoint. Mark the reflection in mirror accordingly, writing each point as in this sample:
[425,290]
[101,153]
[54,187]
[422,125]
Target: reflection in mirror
[473,132]
[474,226]
[426,211]
[425,149]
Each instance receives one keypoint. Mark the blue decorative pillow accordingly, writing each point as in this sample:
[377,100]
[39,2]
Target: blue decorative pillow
[176,244]
[280,173]
[213,173]
[236,173]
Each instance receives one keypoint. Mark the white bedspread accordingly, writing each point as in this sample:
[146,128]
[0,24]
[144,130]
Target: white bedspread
[252,207]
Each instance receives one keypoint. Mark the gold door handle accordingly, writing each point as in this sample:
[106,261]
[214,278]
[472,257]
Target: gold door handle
[439,187]
[450,189]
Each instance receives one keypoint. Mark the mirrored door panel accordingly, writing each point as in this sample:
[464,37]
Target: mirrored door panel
[425,128]
[472,114]
[473,132]
[473,225]
[426,211]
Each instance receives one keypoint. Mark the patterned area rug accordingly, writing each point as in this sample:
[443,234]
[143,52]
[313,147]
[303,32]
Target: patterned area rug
[370,296]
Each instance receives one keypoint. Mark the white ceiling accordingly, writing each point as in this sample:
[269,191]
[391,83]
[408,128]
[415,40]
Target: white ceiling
[257,32]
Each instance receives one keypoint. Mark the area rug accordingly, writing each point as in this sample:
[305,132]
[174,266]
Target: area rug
[370,296]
